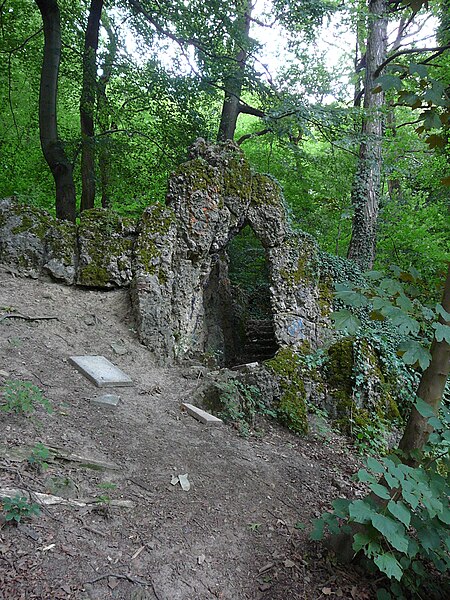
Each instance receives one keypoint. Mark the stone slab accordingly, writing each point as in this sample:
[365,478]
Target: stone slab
[106,400]
[100,371]
[201,415]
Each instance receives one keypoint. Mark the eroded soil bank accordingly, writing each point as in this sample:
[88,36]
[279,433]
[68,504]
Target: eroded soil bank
[232,536]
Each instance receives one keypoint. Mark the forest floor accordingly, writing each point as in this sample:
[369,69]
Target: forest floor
[240,532]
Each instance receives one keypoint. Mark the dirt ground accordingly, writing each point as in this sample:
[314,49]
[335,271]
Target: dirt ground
[240,532]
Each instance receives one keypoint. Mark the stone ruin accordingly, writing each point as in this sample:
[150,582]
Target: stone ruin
[175,262]
[175,257]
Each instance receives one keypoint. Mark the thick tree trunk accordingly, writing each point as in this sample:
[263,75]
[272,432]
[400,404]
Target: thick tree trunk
[431,387]
[104,121]
[234,82]
[87,105]
[366,186]
[52,147]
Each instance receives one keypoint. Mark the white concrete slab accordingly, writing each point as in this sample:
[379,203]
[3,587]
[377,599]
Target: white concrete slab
[201,415]
[100,371]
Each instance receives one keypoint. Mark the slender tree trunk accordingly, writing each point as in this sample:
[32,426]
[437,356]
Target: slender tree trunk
[234,82]
[366,186]
[87,105]
[431,387]
[104,121]
[52,147]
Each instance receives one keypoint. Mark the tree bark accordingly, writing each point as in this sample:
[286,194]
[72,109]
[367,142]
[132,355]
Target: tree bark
[366,186]
[431,387]
[87,105]
[52,147]
[234,82]
[104,121]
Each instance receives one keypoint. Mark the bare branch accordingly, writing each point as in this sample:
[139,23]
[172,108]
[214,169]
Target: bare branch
[437,50]
[249,136]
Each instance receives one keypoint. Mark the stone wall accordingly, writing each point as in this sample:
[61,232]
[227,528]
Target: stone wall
[174,258]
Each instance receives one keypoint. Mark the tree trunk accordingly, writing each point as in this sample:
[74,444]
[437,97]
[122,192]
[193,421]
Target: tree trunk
[234,82]
[366,186]
[52,147]
[104,121]
[431,387]
[87,104]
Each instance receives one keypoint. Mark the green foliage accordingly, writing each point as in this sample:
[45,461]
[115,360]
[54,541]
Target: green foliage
[38,456]
[404,525]
[104,499]
[18,508]
[249,274]
[241,404]
[22,397]
[384,299]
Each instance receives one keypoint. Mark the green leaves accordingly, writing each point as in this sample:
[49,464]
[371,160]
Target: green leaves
[360,511]
[388,564]
[415,353]
[399,510]
[344,320]
[442,332]
[351,297]
[393,531]
[388,82]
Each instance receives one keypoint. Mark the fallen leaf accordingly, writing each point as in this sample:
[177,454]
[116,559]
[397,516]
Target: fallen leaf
[326,591]
[112,582]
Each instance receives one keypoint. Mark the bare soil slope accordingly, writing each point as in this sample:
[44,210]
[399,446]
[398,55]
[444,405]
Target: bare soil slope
[231,536]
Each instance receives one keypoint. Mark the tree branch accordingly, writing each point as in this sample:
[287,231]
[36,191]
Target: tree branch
[437,50]
[249,136]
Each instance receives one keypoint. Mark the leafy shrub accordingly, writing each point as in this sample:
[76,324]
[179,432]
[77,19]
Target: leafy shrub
[38,456]
[403,527]
[18,507]
[22,396]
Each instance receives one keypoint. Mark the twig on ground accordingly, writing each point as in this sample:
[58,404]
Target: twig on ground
[120,576]
[26,317]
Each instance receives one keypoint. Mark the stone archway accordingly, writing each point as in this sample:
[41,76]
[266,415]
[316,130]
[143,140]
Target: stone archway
[180,291]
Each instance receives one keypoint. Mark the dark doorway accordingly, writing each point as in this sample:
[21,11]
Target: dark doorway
[254,337]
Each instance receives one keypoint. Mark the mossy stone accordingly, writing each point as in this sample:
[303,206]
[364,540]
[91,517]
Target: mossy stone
[105,249]
[291,409]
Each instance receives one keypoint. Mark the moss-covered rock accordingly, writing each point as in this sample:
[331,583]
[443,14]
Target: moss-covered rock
[33,241]
[105,243]
[266,213]
[291,408]
[61,251]
[359,386]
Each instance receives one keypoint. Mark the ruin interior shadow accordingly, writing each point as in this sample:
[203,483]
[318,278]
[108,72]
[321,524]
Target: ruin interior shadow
[238,312]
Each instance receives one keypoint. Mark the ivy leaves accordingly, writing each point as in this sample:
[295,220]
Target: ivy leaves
[385,299]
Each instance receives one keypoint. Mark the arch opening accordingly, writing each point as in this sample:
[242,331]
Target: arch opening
[238,311]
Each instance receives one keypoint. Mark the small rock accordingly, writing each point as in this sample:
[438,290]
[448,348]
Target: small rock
[119,348]
[106,399]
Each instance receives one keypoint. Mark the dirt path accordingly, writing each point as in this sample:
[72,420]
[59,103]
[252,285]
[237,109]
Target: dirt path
[231,536]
